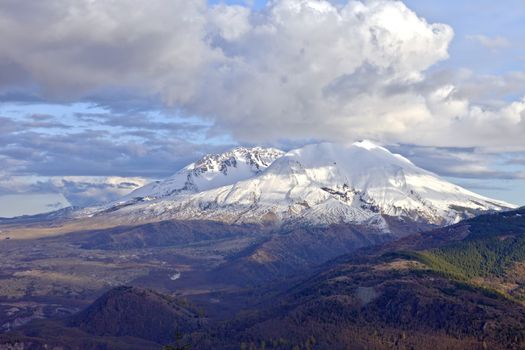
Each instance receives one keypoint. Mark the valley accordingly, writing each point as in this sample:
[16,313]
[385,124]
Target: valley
[62,274]
[341,259]
[441,286]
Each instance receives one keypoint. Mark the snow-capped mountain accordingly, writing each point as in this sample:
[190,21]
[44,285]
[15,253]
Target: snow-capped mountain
[211,171]
[318,184]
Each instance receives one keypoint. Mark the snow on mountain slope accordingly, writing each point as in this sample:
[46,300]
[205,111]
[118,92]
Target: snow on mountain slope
[318,184]
[211,171]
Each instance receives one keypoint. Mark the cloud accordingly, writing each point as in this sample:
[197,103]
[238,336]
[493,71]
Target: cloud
[139,121]
[77,190]
[494,43]
[108,146]
[467,163]
[88,47]
[43,121]
[85,191]
[309,69]
[231,22]
[486,90]
[293,70]
[517,161]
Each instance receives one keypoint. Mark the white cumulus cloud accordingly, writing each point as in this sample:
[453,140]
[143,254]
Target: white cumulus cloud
[294,70]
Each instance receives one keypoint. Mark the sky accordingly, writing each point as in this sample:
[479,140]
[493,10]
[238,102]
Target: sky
[98,98]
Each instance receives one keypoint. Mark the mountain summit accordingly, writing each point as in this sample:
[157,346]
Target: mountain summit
[318,184]
[211,171]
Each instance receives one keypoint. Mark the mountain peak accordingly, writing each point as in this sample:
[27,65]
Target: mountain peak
[367,144]
[257,157]
[324,183]
[362,157]
[211,171]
